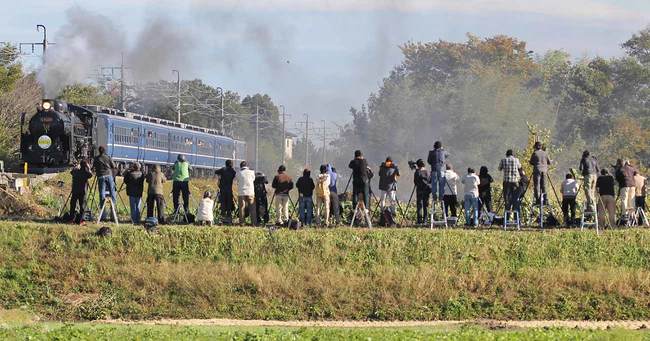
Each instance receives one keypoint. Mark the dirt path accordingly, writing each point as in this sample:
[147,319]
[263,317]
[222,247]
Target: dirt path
[492,324]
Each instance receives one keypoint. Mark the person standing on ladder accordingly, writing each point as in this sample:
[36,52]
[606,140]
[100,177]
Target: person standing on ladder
[181,183]
[103,166]
[540,162]
[360,180]
[589,170]
[511,168]
[437,159]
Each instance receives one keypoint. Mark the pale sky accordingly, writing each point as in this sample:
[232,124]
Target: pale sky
[322,57]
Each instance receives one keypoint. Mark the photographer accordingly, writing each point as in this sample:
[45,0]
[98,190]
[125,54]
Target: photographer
[388,175]
[134,181]
[360,179]
[540,162]
[422,182]
[511,168]
[450,198]
[80,175]
[437,159]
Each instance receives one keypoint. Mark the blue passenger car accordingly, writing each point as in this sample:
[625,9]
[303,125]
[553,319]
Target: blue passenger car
[150,141]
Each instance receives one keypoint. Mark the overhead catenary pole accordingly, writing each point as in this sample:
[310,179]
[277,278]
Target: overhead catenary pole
[44,38]
[222,113]
[257,135]
[178,96]
[307,140]
[43,43]
[122,103]
[284,135]
[324,146]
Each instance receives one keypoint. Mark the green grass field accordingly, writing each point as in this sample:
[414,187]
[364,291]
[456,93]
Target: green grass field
[138,332]
[65,273]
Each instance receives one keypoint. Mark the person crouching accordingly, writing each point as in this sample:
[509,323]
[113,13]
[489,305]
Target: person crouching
[205,213]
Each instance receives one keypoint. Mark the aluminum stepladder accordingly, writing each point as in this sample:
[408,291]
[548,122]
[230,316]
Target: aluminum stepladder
[432,216]
[366,213]
[107,201]
[514,223]
[178,215]
[593,213]
[640,218]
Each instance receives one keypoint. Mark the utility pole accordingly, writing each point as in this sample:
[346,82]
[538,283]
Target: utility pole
[222,112]
[178,95]
[307,140]
[284,134]
[324,146]
[257,135]
[112,69]
[44,43]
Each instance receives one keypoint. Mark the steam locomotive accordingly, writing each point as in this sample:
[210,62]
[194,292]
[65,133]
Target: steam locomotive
[59,135]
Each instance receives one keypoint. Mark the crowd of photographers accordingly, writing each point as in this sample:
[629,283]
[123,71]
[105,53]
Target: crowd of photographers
[319,201]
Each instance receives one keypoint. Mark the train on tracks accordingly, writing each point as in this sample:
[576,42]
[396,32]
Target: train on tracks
[59,135]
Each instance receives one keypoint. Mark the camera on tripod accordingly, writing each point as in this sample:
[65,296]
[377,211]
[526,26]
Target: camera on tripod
[412,165]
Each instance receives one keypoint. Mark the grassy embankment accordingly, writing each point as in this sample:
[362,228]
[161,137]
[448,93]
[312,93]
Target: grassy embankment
[66,273]
[107,332]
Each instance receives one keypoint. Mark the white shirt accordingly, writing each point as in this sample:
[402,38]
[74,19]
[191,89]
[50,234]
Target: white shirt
[451,188]
[245,178]
[204,213]
[471,182]
[569,188]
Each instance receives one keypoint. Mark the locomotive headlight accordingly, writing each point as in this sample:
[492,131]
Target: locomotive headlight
[47,105]
[44,142]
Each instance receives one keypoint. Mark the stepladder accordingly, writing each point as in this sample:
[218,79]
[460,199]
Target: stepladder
[585,221]
[515,221]
[639,217]
[179,215]
[360,208]
[433,215]
[108,202]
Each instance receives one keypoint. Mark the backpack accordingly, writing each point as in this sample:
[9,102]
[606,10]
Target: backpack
[293,224]
[104,231]
[150,222]
[386,219]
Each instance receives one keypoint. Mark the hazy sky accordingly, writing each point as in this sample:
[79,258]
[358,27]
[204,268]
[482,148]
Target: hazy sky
[321,57]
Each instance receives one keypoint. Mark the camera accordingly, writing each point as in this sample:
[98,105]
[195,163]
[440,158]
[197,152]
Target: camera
[412,165]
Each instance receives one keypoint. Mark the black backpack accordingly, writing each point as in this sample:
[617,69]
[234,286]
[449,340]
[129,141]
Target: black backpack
[386,219]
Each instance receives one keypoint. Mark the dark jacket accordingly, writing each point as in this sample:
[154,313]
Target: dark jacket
[282,183]
[388,177]
[80,180]
[103,165]
[589,165]
[620,176]
[437,159]
[628,176]
[359,168]
[305,186]
[540,161]
[605,185]
[422,181]
[226,177]
[484,184]
[134,181]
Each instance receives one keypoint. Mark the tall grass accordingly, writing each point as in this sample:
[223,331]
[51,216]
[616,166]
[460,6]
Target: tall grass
[68,273]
